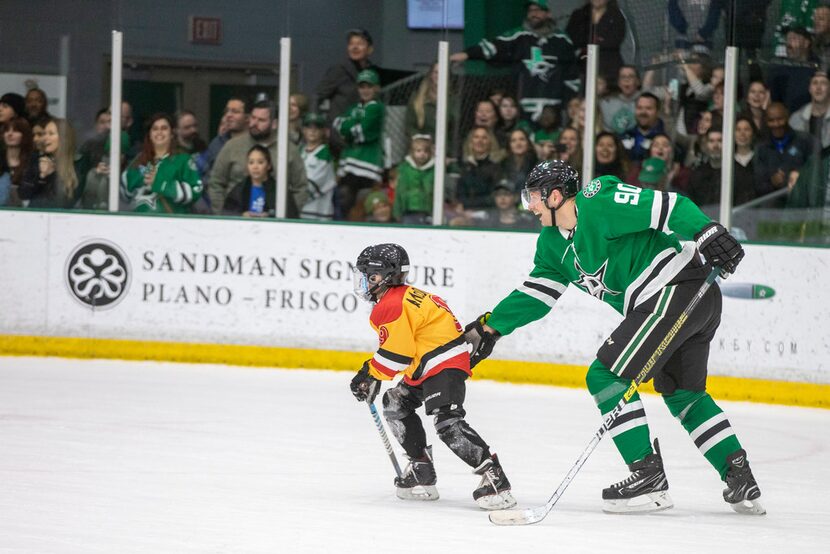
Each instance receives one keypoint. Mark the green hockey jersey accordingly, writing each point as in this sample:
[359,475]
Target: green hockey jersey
[361,128]
[176,186]
[627,245]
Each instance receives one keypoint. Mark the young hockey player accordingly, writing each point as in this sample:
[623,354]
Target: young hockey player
[622,244]
[421,339]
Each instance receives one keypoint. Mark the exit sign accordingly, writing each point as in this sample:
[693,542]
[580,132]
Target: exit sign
[205,30]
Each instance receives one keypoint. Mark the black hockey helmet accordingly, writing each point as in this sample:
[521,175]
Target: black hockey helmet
[550,175]
[389,261]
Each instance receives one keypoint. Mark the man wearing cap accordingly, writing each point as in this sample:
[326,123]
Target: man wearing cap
[338,88]
[378,207]
[543,59]
[361,162]
[788,78]
[652,174]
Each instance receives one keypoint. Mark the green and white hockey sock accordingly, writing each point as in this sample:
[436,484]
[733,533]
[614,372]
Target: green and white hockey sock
[706,424]
[630,430]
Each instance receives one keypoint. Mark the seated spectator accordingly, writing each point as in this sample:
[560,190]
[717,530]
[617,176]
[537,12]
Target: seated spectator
[649,124]
[705,181]
[821,35]
[297,108]
[12,105]
[617,109]
[677,175]
[755,105]
[506,214]
[53,179]
[814,117]
[550,126]
[653,174]
[572,151]
[599,22]
[578,121]
[319,168]
[609,156]
[783,151]
[97,179]
[231,164]
[789,78]
[187,133]
[716,106]
[19,150]
[744,167]
[159,179]
[38,132]
[361,163]
[416,181]
[696,144]
[480,169]
[509,119]
[486,115]
[256,196]
[377,207]
[37,105]
[521,158]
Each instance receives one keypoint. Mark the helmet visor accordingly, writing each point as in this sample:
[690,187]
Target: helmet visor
[531,197]
[361,285]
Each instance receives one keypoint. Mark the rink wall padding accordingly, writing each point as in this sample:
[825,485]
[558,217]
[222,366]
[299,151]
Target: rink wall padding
[130,286]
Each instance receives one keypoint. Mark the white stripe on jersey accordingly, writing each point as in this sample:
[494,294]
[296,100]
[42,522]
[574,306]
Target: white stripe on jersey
[443,357]
[538,295]
[549,283]
[672,202]
[386,362]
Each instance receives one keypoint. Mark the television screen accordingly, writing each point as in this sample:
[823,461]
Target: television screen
[435,14]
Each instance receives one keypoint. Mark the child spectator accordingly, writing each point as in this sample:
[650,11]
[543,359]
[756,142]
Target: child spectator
[53,179]
[416,179]
[256,195]
[377,207]
[506,214]
[361,164]
[319,168]
[160,179]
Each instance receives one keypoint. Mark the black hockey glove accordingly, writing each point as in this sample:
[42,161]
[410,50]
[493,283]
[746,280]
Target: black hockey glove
[719,248]
[365,387]
[482,341]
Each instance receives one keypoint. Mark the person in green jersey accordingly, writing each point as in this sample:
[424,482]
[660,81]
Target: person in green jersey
[629,247]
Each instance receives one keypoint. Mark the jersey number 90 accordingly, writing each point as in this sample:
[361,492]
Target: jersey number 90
[627,194]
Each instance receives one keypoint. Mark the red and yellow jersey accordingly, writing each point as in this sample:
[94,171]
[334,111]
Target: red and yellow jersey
[418,336]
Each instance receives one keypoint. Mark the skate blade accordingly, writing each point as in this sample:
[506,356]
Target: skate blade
[643,504]
[749,507]
[421,492]
[502,501]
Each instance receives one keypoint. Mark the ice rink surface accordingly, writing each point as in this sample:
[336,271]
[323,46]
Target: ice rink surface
[118,457]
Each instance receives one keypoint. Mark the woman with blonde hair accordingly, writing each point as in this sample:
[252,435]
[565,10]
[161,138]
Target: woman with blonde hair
[53,179]
[480,169]
[421,109]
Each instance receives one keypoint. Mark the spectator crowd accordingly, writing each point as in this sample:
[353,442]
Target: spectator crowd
[659,128]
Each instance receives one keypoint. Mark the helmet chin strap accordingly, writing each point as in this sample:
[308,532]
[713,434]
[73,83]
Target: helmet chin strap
[555,208]
[374,289]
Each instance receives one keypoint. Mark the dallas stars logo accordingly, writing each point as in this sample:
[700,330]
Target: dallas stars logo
[593,282]
[537,65]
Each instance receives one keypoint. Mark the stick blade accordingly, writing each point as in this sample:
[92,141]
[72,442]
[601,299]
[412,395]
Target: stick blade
[527,516]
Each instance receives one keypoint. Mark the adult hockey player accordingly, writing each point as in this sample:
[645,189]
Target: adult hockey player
[626,246]
[421,339]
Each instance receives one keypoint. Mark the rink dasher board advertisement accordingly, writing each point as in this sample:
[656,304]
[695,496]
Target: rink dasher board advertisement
[287,284]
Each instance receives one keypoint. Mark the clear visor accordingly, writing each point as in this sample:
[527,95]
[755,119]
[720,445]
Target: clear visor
[531,197]
[361,284]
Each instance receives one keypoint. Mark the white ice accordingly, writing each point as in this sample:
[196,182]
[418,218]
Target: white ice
[120,457]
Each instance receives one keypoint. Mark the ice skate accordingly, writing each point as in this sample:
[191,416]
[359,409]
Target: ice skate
[418,479]
[742,492]
[645,490]
[493,492]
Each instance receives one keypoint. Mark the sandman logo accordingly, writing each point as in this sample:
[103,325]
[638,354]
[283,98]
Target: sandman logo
[98,274]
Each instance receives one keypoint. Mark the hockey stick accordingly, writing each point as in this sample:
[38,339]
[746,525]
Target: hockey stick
[535,515]
[384,438]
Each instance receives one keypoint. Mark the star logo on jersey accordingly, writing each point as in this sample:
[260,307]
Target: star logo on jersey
[593,283]
[537,65]
[592,188]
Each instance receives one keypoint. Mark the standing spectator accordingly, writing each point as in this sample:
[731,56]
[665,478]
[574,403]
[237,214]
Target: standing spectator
[422,107]
[599,22]
[37,105]
[160,179]
[695,22]
[11,105]
[232,162]
[521,158]
[647,115]
[783,151]
[543,59]
[297,108]
[338,88]
[609,156]
[744,168]
[617,109]
[821,35]
[361,127]
[235,122]
[256,195]
[53,179]
[814,117]
[792,13]
[187,133]
[319,168]
[416,181]
[480,169]
[695,94]
[755,105]
[17,137]
[788,78]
